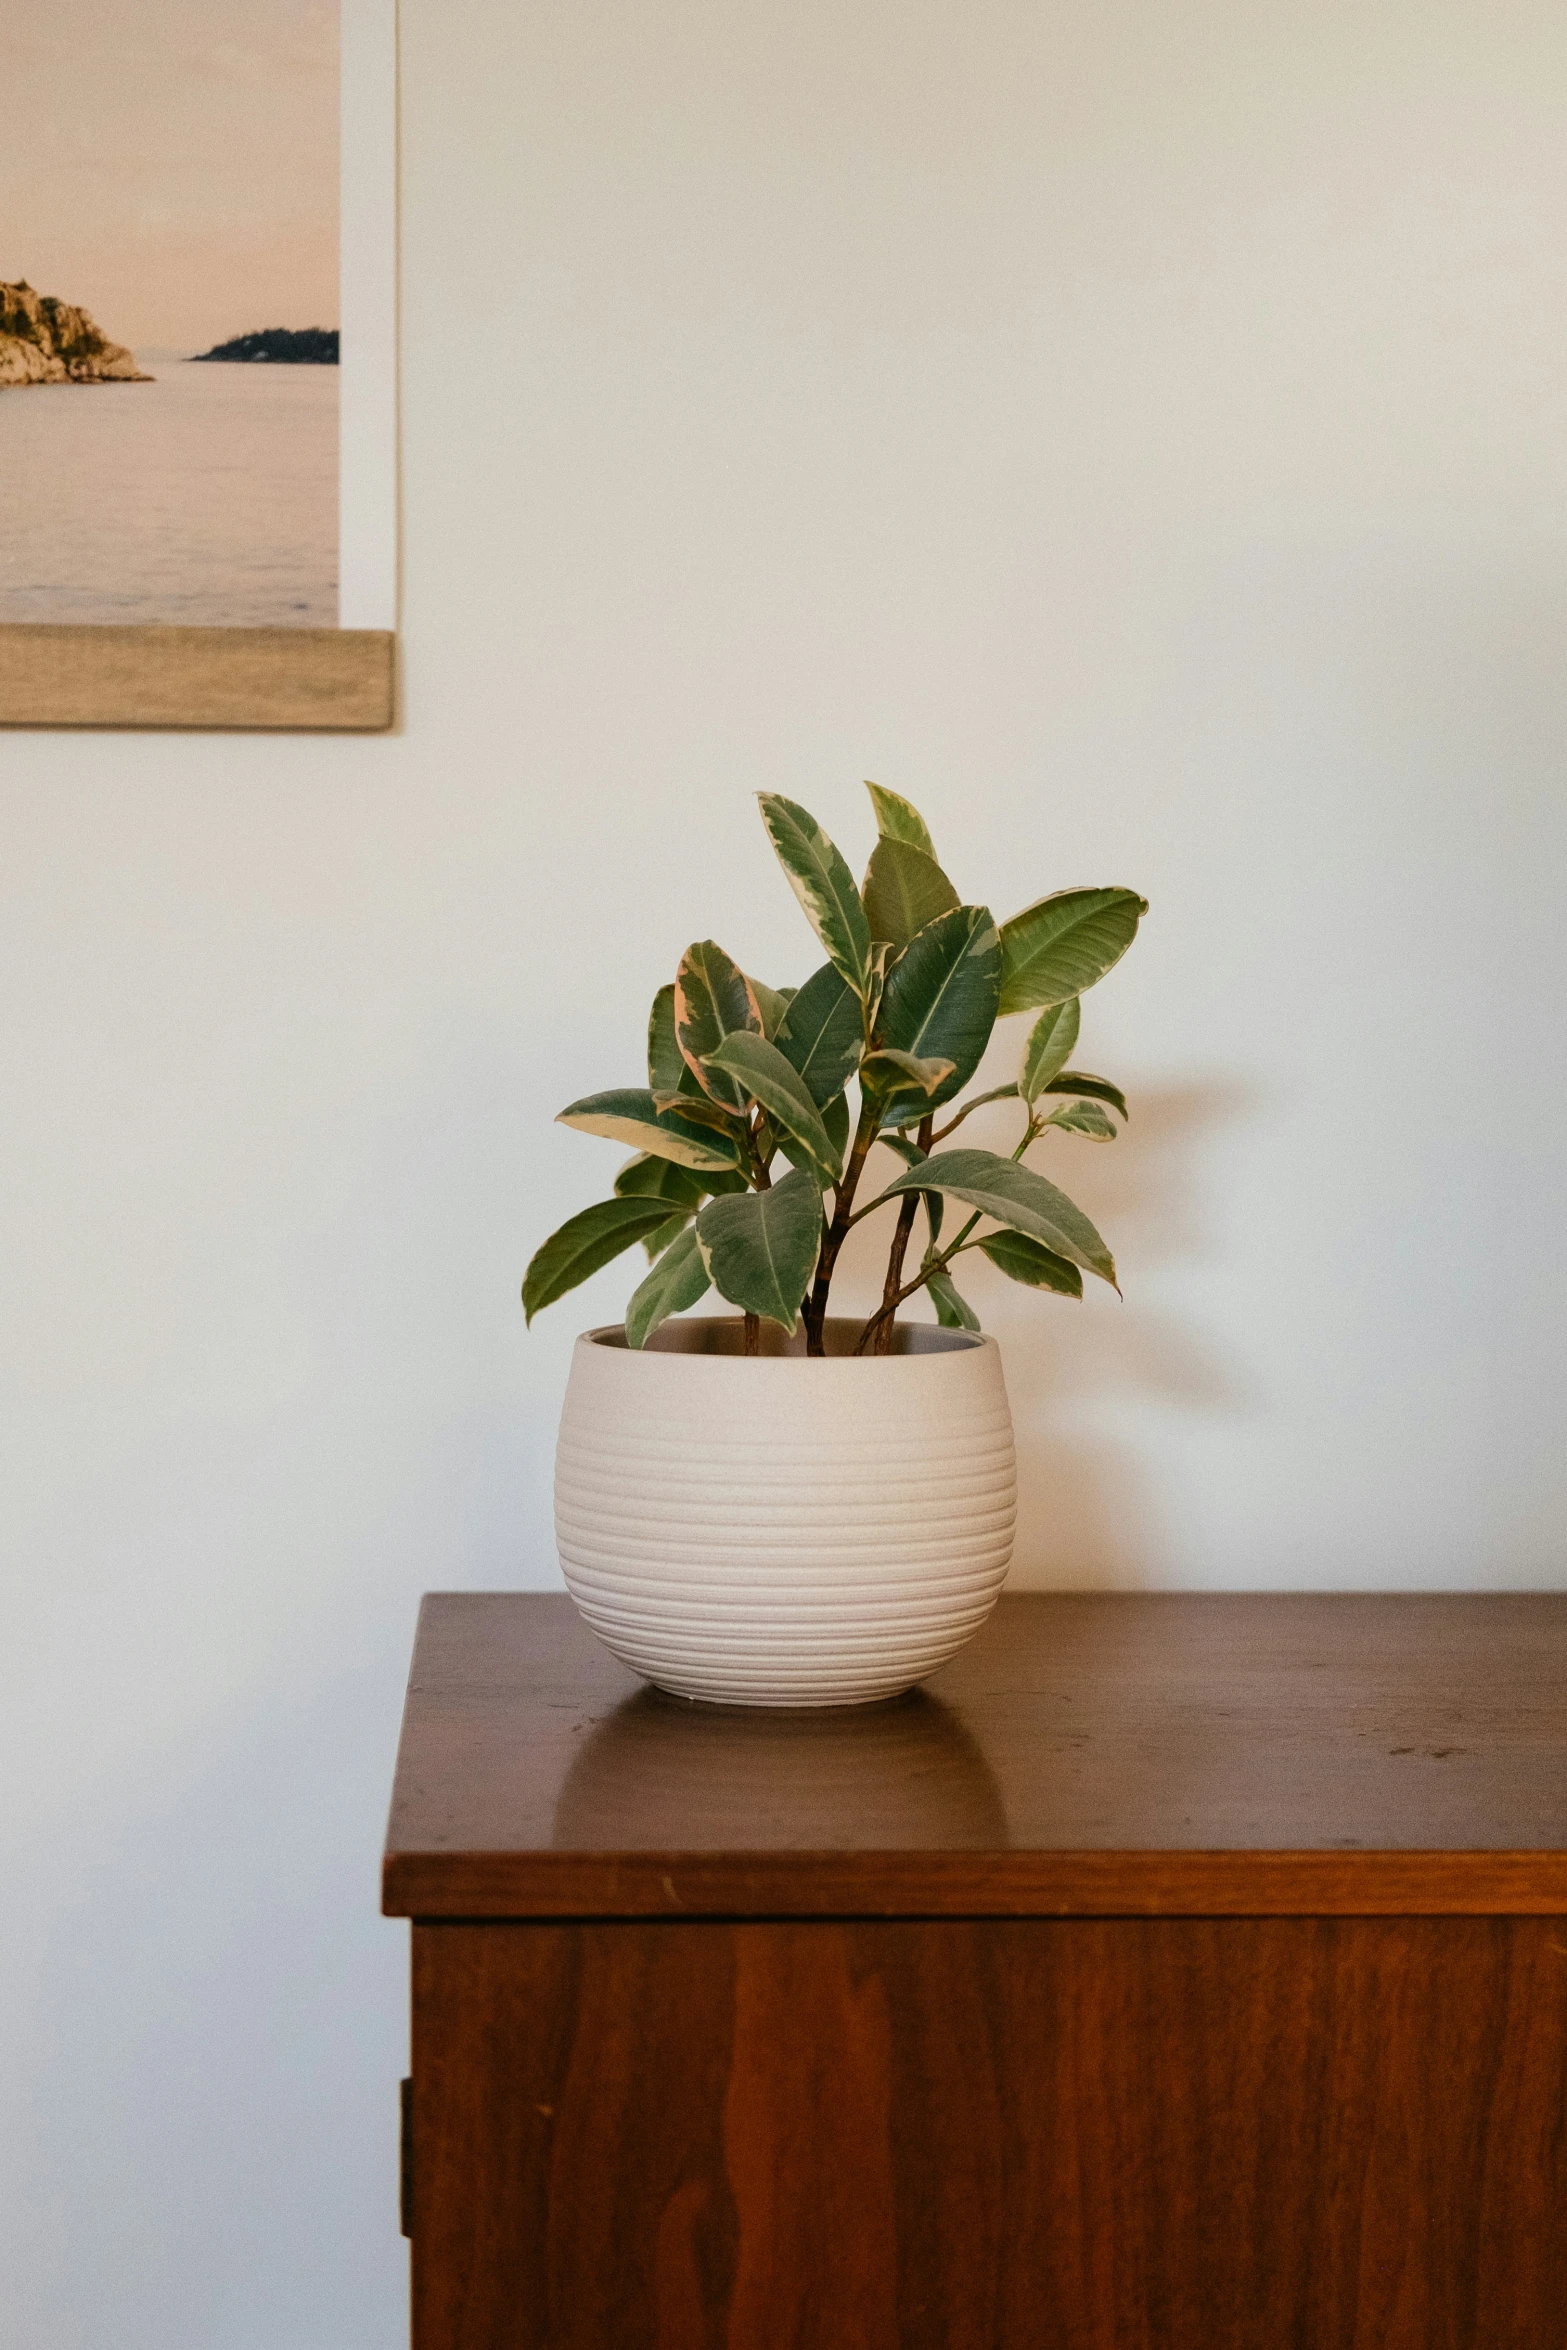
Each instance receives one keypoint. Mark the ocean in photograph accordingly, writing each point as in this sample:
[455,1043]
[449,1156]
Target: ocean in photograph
[205,498]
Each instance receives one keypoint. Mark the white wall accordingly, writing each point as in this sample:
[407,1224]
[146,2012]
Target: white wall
[1135,432]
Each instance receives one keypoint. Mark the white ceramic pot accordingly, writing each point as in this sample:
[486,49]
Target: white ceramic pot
[778,1531]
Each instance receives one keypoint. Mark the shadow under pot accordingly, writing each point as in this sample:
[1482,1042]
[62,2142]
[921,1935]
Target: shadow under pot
[778,1530]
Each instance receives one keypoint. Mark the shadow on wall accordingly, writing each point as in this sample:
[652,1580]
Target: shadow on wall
[1086,1519]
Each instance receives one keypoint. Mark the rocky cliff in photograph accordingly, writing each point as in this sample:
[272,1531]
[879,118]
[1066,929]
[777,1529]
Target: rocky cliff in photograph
[45,341]
[305,346]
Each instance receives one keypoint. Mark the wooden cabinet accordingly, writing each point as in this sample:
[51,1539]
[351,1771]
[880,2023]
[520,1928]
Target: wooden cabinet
[1174,1971]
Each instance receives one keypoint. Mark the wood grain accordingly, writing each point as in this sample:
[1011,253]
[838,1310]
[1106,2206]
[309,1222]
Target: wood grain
[1005,1884]
[1210,1755]
[305,679]
[1247,2134]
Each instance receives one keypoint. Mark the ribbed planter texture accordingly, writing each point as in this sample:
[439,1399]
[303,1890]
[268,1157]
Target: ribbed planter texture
[777,1531]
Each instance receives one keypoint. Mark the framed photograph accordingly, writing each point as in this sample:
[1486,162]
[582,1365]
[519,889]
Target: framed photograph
[198,405]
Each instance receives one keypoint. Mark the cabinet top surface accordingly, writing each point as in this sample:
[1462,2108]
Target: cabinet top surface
[1247,1753]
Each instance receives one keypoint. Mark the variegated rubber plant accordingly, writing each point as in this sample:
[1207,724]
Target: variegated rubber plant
[741,1075]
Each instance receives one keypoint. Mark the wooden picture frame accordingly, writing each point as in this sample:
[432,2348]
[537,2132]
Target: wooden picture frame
[312,679]
[329,680]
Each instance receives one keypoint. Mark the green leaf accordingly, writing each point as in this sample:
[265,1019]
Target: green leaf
[713,999]
[1097,1089]
[657,1241]
[677,1280]
[940,1002]
[760,1069]
[904,889]
[823,884]
[667,1075]
[1084,1118]
[645,1177]
[631,1116]
[835,1118]
[882,952]
[671,1082]
[822,1034]
[760,1250]
[885,1070]
[1025,1260]
[897,820]
[583,1244]
[1060,945]
[1049,1047]
[772,1003]
[952,1312]
[1015,1196]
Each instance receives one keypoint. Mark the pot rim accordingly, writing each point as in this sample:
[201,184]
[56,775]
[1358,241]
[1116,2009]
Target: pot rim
[914,1342]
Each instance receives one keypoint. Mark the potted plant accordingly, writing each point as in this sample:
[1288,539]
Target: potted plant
[788,1507]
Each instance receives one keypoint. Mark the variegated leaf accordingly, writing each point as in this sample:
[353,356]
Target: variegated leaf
[713,998]
[1085,1118]
[1015,1196]
[896,819]
[585,1243]
[886,1070]
[1049,1047]
[904,889]
[763,1074]
[657,1241]
[1060,945]
[645,1177]
[823,884]
[677,1280]
[1096,1089]
[669,1080]
[632,1117]
[823,1034]
[952,1312]
[772,1003]
[940,1001]
[760,1250]
[1030,1262]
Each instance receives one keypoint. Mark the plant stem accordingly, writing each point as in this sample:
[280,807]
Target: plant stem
[753,1334]
[843,1202]
[885,1312]
[980,1101]
[891,1289]
[897,1252]
[882,1318]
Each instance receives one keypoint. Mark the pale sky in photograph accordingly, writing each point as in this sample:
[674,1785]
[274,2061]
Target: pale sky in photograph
[171,165]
